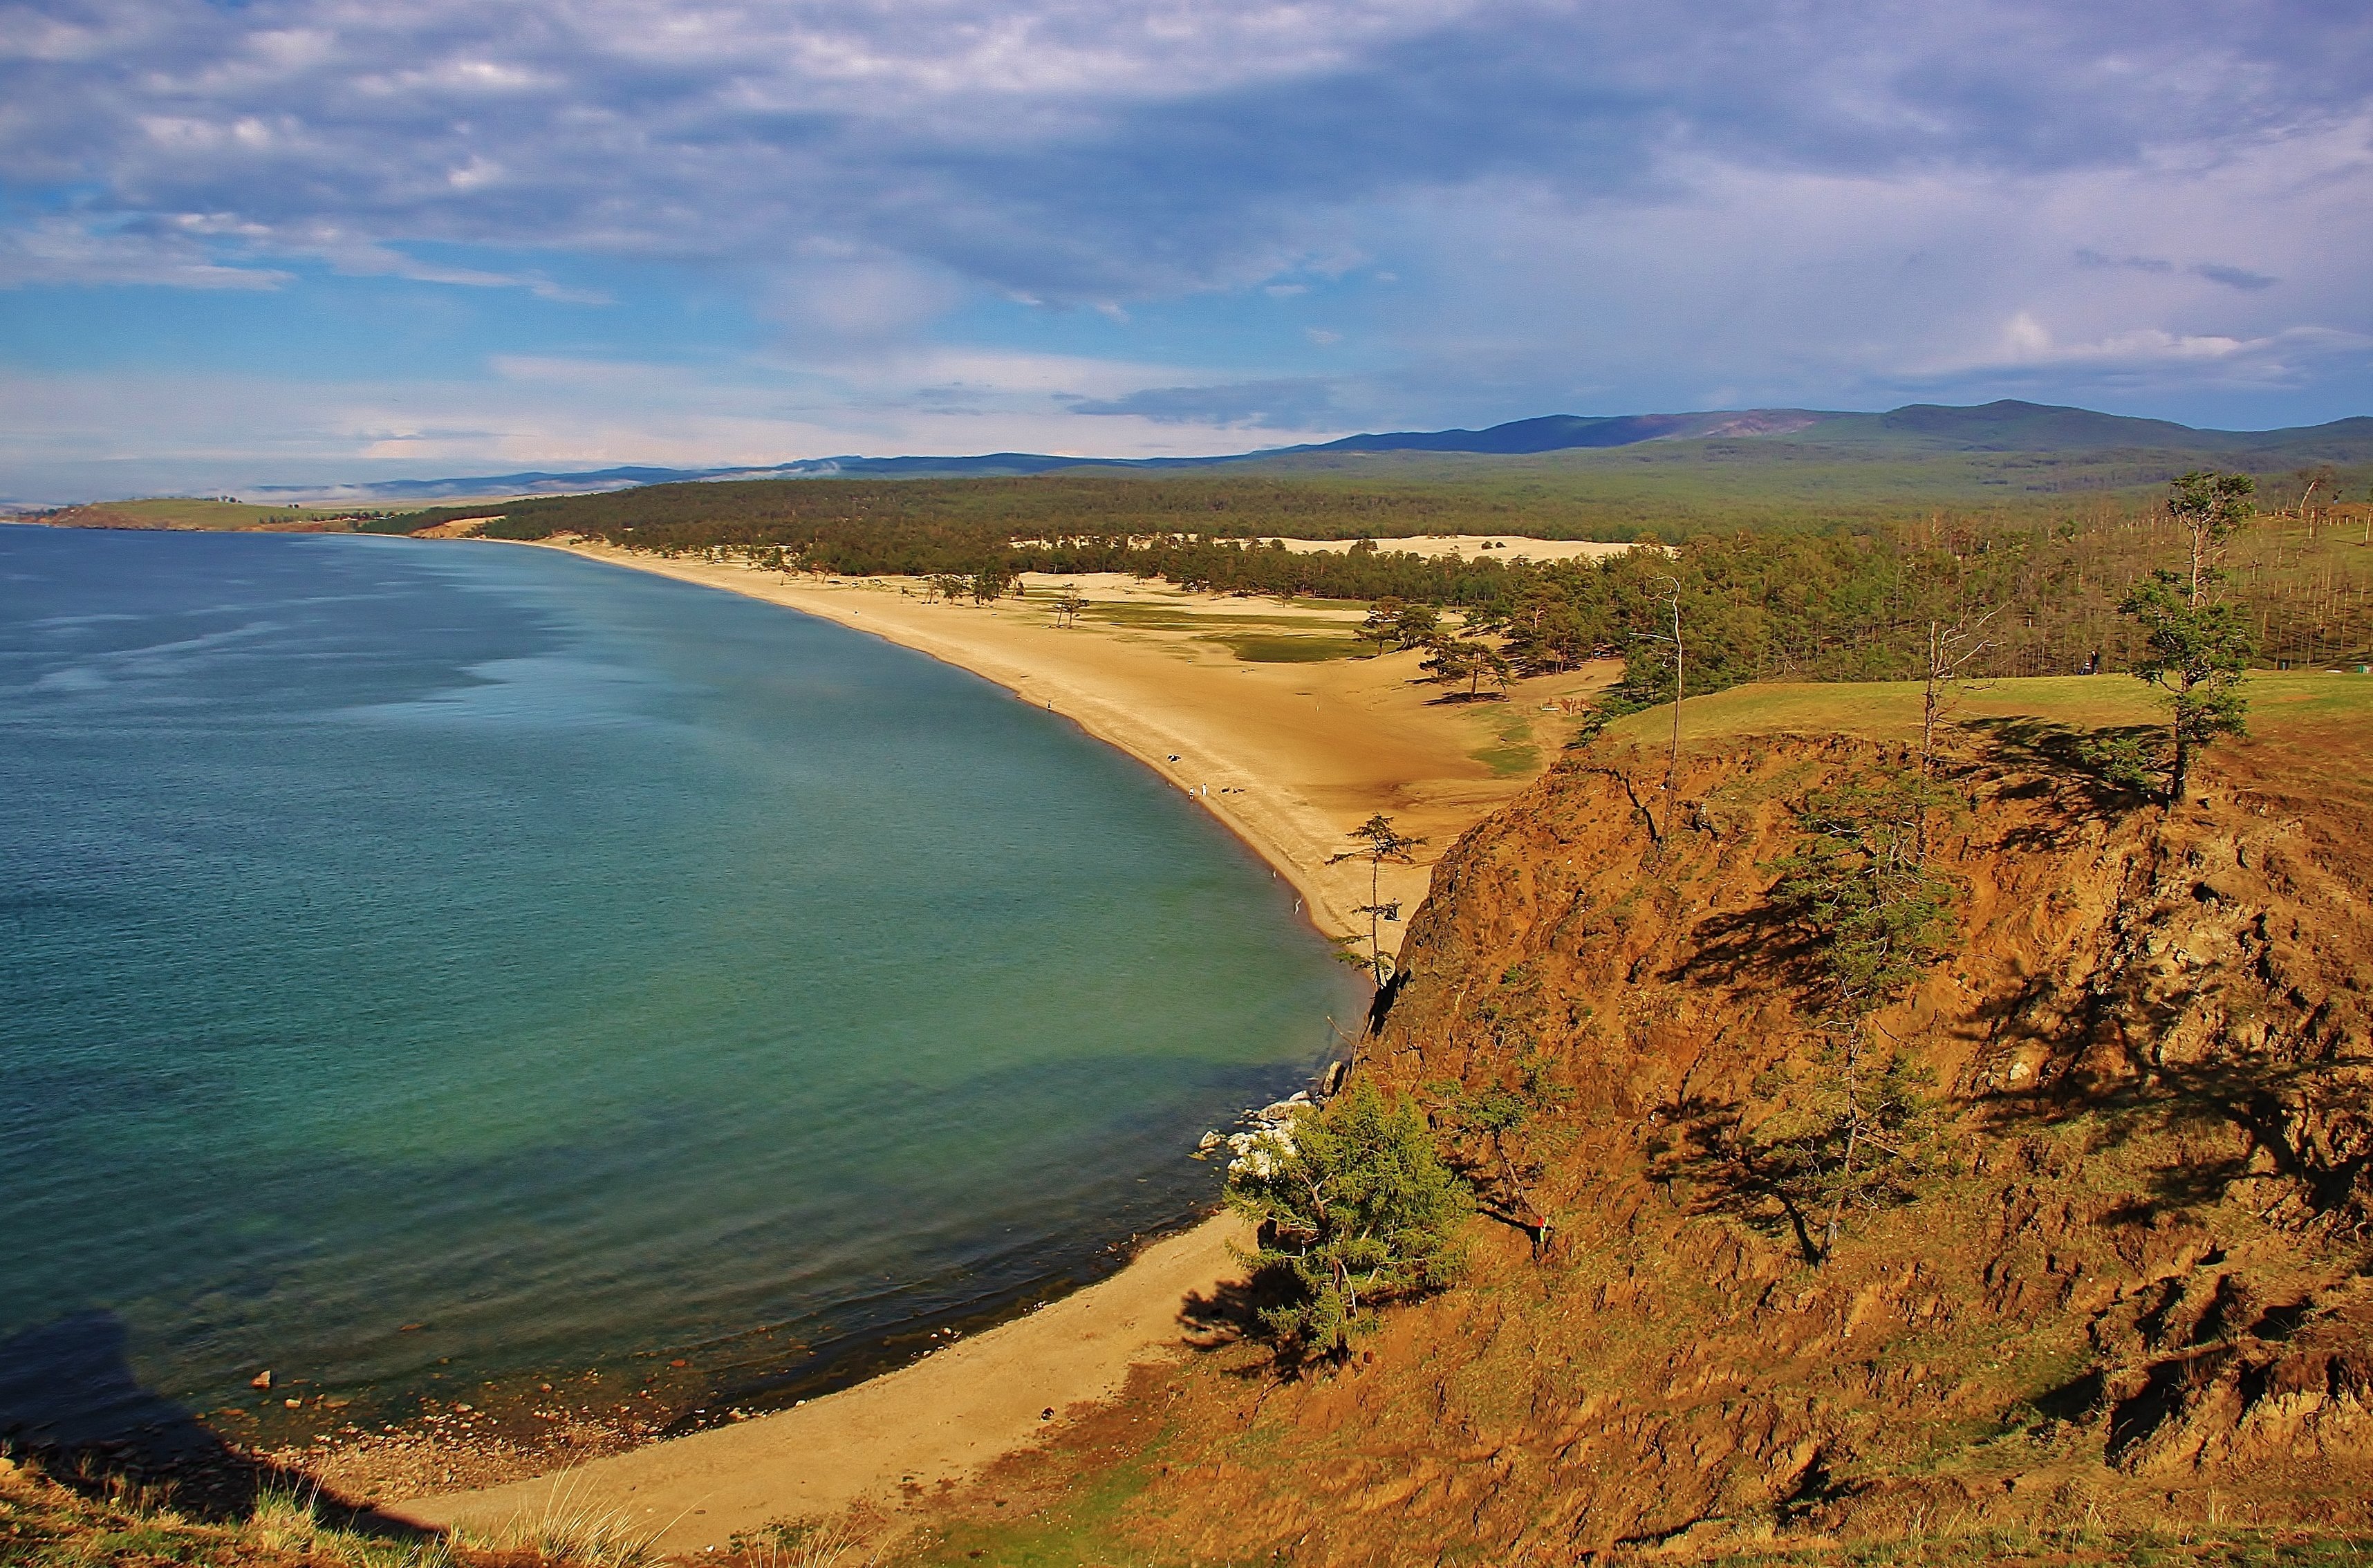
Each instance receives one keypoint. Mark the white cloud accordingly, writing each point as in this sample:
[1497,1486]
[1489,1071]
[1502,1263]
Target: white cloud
[2026,341]
[1516,204]
[57,251]
[73,435]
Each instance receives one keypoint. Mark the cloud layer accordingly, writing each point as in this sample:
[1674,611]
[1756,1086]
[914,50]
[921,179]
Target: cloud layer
[1286,217]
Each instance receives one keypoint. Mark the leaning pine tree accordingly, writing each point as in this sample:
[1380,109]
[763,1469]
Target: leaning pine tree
[1378,843]
[1355,1207]
[2195,645]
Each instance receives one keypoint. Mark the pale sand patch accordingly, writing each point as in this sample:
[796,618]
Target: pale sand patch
[1290,756]
[459,528]
[1501,547]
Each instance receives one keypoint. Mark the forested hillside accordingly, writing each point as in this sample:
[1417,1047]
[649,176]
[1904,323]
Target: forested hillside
[1842,602]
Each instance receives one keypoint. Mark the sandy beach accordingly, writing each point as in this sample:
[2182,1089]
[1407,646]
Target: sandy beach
[1290,757]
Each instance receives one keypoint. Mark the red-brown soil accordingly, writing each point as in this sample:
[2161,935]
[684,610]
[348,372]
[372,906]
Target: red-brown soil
[2130,1297]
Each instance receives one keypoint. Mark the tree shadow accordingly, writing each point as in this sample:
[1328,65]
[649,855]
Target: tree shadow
[2273,1105]
[70,1400]
[1764,943]
[1229,1314]
[2091,771]
[1704,1145]
[1229,1311]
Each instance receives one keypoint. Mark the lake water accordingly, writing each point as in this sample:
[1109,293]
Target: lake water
[571,964]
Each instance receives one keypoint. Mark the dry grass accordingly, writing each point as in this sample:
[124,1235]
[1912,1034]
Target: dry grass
[46,1525]
[571,1527]
[806,1543]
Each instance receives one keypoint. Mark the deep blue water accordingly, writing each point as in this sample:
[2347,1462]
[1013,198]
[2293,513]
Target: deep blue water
[573,963]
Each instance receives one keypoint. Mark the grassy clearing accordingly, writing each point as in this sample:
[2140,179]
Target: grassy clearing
[1269,648]
[189,512]
[1276,638]
[1889,711]
[1184,617]
[1082,1527]
[1512,749]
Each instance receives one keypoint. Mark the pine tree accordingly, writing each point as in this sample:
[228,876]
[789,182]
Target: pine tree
[1877,919]
[1378,843]
[1355,1207]
[2196,646]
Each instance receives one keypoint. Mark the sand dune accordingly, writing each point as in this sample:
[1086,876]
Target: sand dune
[1501,547]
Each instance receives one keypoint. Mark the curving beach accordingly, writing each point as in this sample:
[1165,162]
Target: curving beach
[1290,756]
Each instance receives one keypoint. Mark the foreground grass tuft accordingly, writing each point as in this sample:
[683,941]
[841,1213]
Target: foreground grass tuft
[117,1523]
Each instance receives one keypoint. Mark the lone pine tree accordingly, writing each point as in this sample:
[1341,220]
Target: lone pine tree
[2196,646]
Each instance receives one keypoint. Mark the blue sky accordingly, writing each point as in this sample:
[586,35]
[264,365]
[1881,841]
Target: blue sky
[303,241]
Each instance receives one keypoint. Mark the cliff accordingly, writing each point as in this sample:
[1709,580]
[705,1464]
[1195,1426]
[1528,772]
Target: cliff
[2130,1279]
[2119,1296]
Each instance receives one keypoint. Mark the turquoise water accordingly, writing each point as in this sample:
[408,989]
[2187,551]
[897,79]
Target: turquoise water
[573,962]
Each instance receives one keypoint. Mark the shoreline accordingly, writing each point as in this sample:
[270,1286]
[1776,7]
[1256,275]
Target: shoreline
[1095,715]
[1288,781]
[1237,740]
[525,1426]
[894,1438]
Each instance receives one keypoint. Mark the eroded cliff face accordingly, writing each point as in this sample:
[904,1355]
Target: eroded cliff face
[2131,1284]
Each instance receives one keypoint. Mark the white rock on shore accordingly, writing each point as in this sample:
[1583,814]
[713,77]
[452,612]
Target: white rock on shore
[1269,1137]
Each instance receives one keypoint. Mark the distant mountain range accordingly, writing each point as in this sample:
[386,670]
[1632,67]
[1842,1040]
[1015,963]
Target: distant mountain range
[1915,430]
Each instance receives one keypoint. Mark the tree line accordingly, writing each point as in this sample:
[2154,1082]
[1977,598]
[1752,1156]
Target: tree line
[1837,603]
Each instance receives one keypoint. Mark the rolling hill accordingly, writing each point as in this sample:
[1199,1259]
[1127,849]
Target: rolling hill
[2077,448]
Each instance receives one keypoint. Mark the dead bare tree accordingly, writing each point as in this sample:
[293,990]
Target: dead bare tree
[1952,649]
[1670,595]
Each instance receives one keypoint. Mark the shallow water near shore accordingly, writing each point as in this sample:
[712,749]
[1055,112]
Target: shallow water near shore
[431,964]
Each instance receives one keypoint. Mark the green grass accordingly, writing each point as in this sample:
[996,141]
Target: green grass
[1889,711]
[1513,750]
[1283,639]
[1081,1529]
[1259,649]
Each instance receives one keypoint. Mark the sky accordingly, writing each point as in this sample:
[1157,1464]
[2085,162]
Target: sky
[301,241]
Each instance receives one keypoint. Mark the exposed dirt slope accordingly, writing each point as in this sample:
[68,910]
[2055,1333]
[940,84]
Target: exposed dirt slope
[2131,1292]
